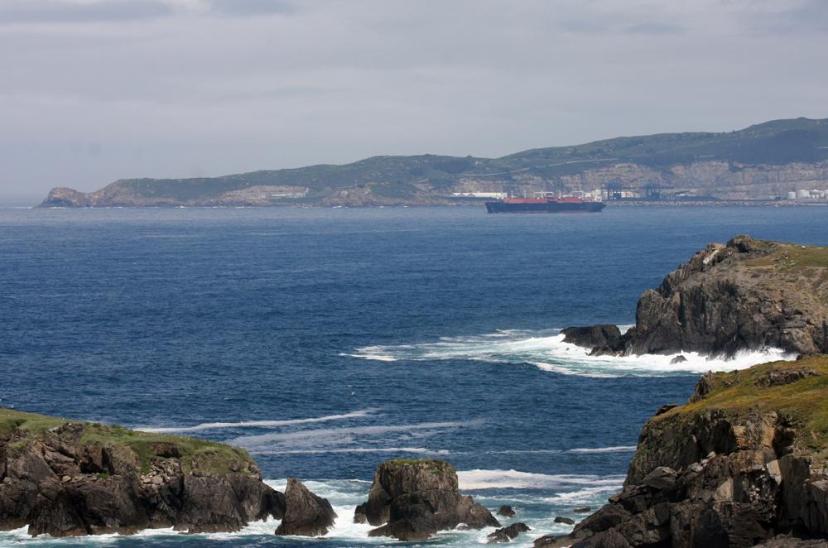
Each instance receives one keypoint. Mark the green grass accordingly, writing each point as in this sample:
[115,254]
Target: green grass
[792,257]
[804,402]
[199,456]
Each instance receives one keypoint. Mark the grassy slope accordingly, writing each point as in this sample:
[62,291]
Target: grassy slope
[805,401]
[196,455]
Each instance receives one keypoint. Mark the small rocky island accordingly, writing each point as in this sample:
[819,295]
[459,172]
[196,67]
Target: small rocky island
[413,499]
[747,294]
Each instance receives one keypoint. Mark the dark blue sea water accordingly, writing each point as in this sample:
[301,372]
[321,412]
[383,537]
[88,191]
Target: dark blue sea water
[327,340]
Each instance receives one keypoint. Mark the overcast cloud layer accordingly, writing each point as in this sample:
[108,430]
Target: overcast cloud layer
[96,90]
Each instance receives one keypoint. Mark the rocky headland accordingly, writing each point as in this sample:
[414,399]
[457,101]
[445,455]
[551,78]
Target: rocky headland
[742,463]
[68,478]
[744,295]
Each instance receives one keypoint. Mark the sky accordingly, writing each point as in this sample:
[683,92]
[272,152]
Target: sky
[92,91]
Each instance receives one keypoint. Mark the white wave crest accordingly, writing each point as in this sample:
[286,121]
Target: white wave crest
[259,423]
[513,479]
[547,350]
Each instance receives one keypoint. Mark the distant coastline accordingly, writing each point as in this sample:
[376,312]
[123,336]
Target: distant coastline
[769,163]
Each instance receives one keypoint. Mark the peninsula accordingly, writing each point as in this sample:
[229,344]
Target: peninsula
[782,161]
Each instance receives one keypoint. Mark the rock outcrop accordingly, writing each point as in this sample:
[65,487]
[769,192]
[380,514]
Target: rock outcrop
[66,478]
[748,294]
[306,514]
[741,464]
[413,499]
[507,534]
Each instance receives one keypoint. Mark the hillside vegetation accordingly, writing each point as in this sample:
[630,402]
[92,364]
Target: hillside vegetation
[766,159]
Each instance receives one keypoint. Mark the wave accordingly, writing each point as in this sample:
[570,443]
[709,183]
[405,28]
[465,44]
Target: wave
[357,450]
[259,423]
[547,351]
[327,438]
[576,450]
[475,480]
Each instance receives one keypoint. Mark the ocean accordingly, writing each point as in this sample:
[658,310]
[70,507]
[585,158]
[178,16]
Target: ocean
[325,341]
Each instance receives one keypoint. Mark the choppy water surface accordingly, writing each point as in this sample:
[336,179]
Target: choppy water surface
[325,341]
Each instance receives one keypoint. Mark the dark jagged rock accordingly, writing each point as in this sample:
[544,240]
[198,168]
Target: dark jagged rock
[602,339]
[666,407]
[678,359]
[565,521]
[415,499]
[507,534]
[744,462]
[582,510]
[306,514]
[748,294]
[70,478]
[506,511]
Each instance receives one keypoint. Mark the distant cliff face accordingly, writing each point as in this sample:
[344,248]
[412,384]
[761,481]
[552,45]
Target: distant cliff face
[748,294]
[758,162]
[743,462]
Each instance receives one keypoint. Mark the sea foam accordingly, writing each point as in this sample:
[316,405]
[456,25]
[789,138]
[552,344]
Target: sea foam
[547,351]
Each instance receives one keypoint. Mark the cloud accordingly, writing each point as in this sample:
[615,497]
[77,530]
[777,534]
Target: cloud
[205,87]
[250,7]
[63,11]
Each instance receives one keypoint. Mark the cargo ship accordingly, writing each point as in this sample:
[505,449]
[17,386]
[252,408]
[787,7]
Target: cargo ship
[544,203]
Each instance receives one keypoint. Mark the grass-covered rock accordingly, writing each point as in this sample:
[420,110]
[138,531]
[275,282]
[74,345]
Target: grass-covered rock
[65,477]
[743,295]
[744,461]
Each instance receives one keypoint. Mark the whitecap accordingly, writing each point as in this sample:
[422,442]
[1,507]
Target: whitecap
[513,479]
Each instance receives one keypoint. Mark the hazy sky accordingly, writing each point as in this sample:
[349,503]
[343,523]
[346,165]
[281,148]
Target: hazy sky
[96,90]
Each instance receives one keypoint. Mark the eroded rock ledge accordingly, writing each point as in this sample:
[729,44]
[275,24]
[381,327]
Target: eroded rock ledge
[743,463]
[747,294]
[66,478]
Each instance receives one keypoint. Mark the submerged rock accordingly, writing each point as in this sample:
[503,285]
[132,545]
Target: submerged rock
[507,534]
[602,339]
[306,514]
[742,464]
[416,498]
[506,511]
[746,295]
[564,520]
[66,478]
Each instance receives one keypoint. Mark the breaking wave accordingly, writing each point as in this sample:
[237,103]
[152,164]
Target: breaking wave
[547,351]
[476,480]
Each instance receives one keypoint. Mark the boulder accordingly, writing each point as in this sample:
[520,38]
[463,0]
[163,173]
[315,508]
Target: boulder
[506,511]
[416,498]
[604,339]
[306,514]
[564,520]
[507,534]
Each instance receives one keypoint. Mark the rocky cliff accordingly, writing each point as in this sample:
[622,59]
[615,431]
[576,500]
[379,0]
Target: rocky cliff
[747,294]
[66,478]
[743,463]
